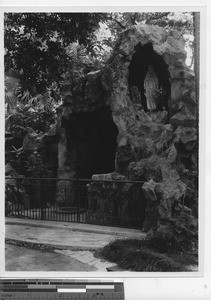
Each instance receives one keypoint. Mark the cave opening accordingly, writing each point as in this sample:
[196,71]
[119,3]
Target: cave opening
[149,79]
[93,136]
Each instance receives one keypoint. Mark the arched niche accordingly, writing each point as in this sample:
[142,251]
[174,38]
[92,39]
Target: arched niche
[149,78]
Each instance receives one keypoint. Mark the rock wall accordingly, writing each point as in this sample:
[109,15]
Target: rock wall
[158,147]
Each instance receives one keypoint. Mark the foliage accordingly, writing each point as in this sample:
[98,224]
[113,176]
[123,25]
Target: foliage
[23,114]
[18,125]
[185,227]
[17,98]
[111,28]
[35,44]
[15,193]
[78,54]
[11,90]
[148,255]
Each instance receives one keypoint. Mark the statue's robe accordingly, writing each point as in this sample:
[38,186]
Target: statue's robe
[151,88]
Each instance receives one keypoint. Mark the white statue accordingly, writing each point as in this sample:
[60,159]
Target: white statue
[151,88]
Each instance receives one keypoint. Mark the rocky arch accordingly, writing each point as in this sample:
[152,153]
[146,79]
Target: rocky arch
[148,72]
[148,143]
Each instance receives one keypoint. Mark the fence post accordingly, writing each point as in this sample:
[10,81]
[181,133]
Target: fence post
[42,186]
[17,199]
[78,200]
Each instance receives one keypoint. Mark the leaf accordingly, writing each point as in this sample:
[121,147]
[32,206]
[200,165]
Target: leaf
[10,99]
[21,106]
[26,96]
[11,83]
[78,54]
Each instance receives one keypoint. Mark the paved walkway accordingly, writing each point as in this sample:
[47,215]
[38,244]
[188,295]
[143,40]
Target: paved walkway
[24,259]
[65,236]
[73,242]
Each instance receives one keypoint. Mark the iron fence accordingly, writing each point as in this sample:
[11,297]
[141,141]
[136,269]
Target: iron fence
[104,202]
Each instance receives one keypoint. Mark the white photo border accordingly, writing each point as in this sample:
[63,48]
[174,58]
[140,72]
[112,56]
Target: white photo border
[196,279]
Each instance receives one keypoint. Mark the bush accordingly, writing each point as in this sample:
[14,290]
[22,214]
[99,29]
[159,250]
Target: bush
[149,255]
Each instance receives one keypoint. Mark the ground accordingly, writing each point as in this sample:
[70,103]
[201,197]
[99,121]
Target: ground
[35,245]
[24,259]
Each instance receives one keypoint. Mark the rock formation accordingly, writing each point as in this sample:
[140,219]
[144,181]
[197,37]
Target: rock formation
[157,147]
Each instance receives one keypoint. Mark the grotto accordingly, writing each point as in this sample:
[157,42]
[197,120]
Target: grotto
[135,120]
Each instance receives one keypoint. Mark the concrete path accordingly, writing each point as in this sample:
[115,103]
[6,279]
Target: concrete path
[23,259]
[66,236]
[87,257]
[73,242]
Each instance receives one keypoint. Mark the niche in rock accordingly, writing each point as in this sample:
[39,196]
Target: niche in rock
[93,137]
[149,79]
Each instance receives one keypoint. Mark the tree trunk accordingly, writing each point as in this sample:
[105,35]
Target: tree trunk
[196,26]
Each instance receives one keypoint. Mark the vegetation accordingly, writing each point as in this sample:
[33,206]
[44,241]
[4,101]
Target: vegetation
[151,255]
[35,45]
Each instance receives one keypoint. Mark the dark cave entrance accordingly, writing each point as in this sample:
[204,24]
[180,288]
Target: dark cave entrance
[149,79]
[93,136]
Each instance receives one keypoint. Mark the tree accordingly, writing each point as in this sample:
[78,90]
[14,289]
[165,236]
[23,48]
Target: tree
[40,48]
[35,44]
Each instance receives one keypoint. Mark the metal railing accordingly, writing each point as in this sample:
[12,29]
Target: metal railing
[104,202]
